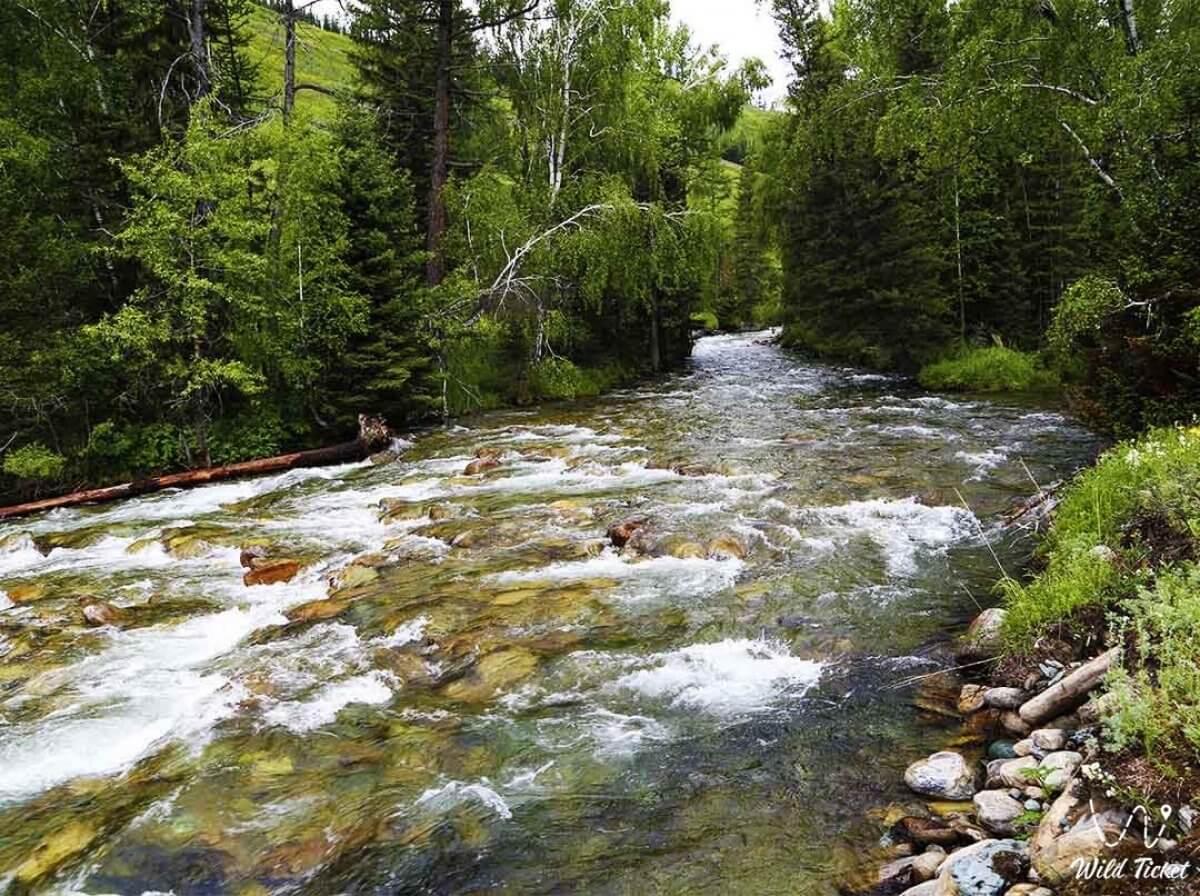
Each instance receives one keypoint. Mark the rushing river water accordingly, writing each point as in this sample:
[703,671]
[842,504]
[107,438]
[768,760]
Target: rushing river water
[489,697]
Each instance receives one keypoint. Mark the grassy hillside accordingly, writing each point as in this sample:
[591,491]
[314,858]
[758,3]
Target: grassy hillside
[322,58]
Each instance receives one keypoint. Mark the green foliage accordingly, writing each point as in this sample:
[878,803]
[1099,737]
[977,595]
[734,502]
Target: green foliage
[1155,478]
[1087,305]
[991,369]
[1157,688]
[706,321]
[34,463]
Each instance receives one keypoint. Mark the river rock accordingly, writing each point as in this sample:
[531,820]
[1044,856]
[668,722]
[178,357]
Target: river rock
[26,592]
[55,850]
[929,888]
[914,869]
[943,775]
[997,811]
[983,638]
[1069,832]
[1059,768]
[1002,749]
[271,572]
[493,673]
[1011,772]
[98,614]
[480,465]
[252,555]
[1048,740]
[316,610]
[1012,722]
[1070,691]
[1028,890]
[970,698]
[620,533]
[987,868]
[1005,698]
[924,831]
[726,547]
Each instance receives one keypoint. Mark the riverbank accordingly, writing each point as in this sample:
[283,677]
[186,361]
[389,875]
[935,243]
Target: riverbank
[1084,778]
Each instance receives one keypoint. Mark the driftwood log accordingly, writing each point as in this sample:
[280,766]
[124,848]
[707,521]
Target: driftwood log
[373,435]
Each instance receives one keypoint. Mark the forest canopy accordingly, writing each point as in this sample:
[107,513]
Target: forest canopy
[232,227]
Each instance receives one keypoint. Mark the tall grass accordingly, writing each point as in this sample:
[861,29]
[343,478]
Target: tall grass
[992,369]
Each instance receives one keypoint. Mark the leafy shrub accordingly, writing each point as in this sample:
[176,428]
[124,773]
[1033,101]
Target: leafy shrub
[706,321]
[1157,690]
[34,463]
[992,369]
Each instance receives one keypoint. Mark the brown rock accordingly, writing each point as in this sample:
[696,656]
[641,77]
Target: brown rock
[1012,722]
[271,572]
[970,698]
[924,831]
[316,611]
[620,533]
[252,556]
[481,465]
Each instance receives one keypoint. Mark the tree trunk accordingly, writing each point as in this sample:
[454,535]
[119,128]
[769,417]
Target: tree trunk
[198,50]
[1129,21]
[434,270]
[373,436]
[289,59]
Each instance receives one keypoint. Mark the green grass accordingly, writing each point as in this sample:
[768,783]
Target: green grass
[992,369]
[1123,539]
[322,58]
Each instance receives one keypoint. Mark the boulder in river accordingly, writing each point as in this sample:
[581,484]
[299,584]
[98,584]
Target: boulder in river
[945,775]
[270,572]
[480,465]
[620,533]
[97,613]
[983,638]
[726,547]
[971,698]
[252,555]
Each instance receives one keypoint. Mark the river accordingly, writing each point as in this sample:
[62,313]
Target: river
[491,697]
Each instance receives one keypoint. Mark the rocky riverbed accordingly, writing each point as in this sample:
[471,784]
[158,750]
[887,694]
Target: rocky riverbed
[659,642]
[1027,809]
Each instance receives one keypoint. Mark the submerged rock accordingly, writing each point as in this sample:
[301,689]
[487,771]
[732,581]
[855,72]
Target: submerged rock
[495,672]
[924,831]
[944,775]
[56,850]
[270,572]
[726,547]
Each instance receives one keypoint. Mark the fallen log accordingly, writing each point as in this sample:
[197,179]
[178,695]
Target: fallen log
[373,435]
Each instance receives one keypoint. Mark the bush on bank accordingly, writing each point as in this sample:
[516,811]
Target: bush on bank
[1124,544]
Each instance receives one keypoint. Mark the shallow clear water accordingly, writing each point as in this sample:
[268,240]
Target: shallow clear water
[524,710]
